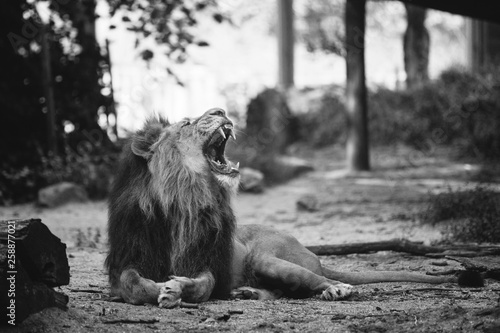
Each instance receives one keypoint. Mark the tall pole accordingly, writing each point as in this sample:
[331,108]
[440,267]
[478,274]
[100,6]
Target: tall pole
[48,90]
[285,44]
[476,32]
[358,156]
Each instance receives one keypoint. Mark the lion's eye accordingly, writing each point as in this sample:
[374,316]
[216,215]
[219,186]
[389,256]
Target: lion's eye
[186,124]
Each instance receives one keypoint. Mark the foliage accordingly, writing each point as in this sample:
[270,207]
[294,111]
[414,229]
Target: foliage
[320,23]
[77,67]
[321,26]
[325,121]
[92,169]
[81,97]
[475,214]
[459,110]
[167,22]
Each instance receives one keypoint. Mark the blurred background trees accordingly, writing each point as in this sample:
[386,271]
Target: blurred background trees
[36,151]
[407,100]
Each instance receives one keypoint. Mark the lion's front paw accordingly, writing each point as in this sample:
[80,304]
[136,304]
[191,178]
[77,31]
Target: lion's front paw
[336,292]
[170,294]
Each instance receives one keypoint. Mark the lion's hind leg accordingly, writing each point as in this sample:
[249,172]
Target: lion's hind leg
[297,281]
[255,294]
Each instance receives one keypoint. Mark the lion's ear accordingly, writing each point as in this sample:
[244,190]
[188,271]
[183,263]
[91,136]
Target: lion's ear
[144,139]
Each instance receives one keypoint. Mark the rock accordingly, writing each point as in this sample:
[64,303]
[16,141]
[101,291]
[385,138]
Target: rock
[308,203]
[61,193]
[279,169]
[270,129]
[251,180]
[291,167]
[38,264]
[270,124]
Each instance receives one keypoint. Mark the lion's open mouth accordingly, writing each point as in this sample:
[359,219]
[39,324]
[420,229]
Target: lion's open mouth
[214,151]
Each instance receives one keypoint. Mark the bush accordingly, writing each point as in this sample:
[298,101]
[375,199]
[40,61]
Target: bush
[325,121]
[458,109]
[473,215]
[92,169]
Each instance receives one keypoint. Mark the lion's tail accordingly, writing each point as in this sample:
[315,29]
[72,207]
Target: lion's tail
[384,276]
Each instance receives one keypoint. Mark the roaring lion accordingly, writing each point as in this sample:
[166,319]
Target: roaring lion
[173,234]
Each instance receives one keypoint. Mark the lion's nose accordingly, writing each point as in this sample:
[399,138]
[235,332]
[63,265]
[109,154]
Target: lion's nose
[215,112]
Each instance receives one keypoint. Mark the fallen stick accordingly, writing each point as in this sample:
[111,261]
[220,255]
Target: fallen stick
[398,245]
[89,291]
[406,246]
[395,291]
[131,321]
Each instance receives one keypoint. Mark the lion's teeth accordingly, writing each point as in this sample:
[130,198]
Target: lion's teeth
[235,166]
[232,134]
[222,132]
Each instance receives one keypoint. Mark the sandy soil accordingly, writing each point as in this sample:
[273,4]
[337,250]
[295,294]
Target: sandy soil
[377,206]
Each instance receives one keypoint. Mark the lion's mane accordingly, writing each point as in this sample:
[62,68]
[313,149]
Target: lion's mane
[164,219]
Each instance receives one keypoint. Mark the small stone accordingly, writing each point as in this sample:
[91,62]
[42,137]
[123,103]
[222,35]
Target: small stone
[308,203]
[251,180]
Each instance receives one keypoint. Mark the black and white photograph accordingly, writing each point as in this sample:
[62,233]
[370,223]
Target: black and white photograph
[249,166]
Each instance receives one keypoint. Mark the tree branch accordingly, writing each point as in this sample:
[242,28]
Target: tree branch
[403,245]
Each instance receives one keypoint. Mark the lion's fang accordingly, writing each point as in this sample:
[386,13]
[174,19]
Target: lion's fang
[231,134]
[222,132]
[237,166]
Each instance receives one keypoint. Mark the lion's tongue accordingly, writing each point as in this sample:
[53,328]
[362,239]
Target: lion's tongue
[213,153]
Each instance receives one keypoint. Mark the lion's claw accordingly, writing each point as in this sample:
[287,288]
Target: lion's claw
[167,304]
[170,294]
[244,293]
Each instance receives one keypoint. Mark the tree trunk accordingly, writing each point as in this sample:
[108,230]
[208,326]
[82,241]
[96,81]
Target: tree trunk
[111,109]
[285,44]
[48,91]
[416,47]
[83,15]
[483,44]
[403,245]
[358,158]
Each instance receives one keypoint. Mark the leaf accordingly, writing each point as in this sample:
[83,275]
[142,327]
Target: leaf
[218,17]
[147,55]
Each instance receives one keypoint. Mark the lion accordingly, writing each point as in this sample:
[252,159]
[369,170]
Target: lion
[173,234]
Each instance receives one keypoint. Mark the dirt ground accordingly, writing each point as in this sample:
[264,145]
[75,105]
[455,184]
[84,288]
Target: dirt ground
[376,206]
